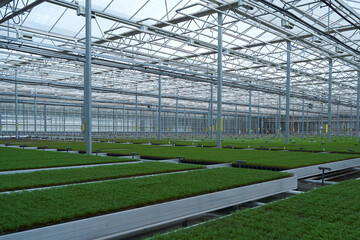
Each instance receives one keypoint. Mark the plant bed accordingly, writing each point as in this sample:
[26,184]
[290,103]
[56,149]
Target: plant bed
[11,182]
[273,158]
[17,159]
[25,210]
[330,212]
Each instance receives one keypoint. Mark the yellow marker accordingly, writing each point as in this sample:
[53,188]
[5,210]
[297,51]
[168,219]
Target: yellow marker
[320,131]
[222,124]
[326,128]
[213,128]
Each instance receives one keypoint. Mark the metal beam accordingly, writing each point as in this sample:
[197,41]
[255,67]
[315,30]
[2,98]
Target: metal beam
[177,116]
[329,102]
[136,114]
[211,109]
[159,114]
[16,109]
[35,114]
[249,113]
[219,83]
[279,124]
[357,105]
[20,11]
[287,121]
[155,70]
[4,2]
[302,118]
[87,81]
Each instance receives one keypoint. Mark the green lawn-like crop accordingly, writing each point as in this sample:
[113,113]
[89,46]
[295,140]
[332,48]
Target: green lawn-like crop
[23,210]
[331,212]
[13,159]
[18,181]
[78,146]
[344,144]
[281,159]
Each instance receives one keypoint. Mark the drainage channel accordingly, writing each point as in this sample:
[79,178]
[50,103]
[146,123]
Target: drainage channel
[304,185]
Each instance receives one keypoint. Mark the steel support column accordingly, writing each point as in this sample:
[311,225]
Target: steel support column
[303,118]
[337,120]
[307,121]
[35,113]
[87,80]
[219,80]
[0,120]
[329,102]
[357,105]
[184,120]
[123,119]
[211,109]
[321,119]
[249,113]
[236,121]
[64,120]
[177,116]
[113,123]
[136,114]
[16,109]
[258,118]
[279,124]
[45,120]
[287,120]
[159,114]
[351,121]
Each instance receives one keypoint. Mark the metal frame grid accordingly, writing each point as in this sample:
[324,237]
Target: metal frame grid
[43,45]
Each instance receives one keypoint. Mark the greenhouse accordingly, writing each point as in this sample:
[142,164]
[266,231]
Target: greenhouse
[179,119]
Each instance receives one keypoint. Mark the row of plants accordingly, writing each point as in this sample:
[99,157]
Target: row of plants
[29,209]
[330,212]
[320,144]
[15,159]
[66,145]
[10,182]
[280,159]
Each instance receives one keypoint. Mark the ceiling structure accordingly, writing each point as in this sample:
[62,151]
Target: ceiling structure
[42,48]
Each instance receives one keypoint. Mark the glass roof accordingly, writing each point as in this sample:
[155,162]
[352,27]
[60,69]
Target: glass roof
[133,43]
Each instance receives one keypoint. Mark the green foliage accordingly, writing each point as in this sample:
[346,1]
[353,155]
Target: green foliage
[13,159]
[10,182]
[330,212]
[23,210]
[281,159]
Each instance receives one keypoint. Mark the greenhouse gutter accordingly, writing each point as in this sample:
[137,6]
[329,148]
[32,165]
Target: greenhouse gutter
[125,223]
